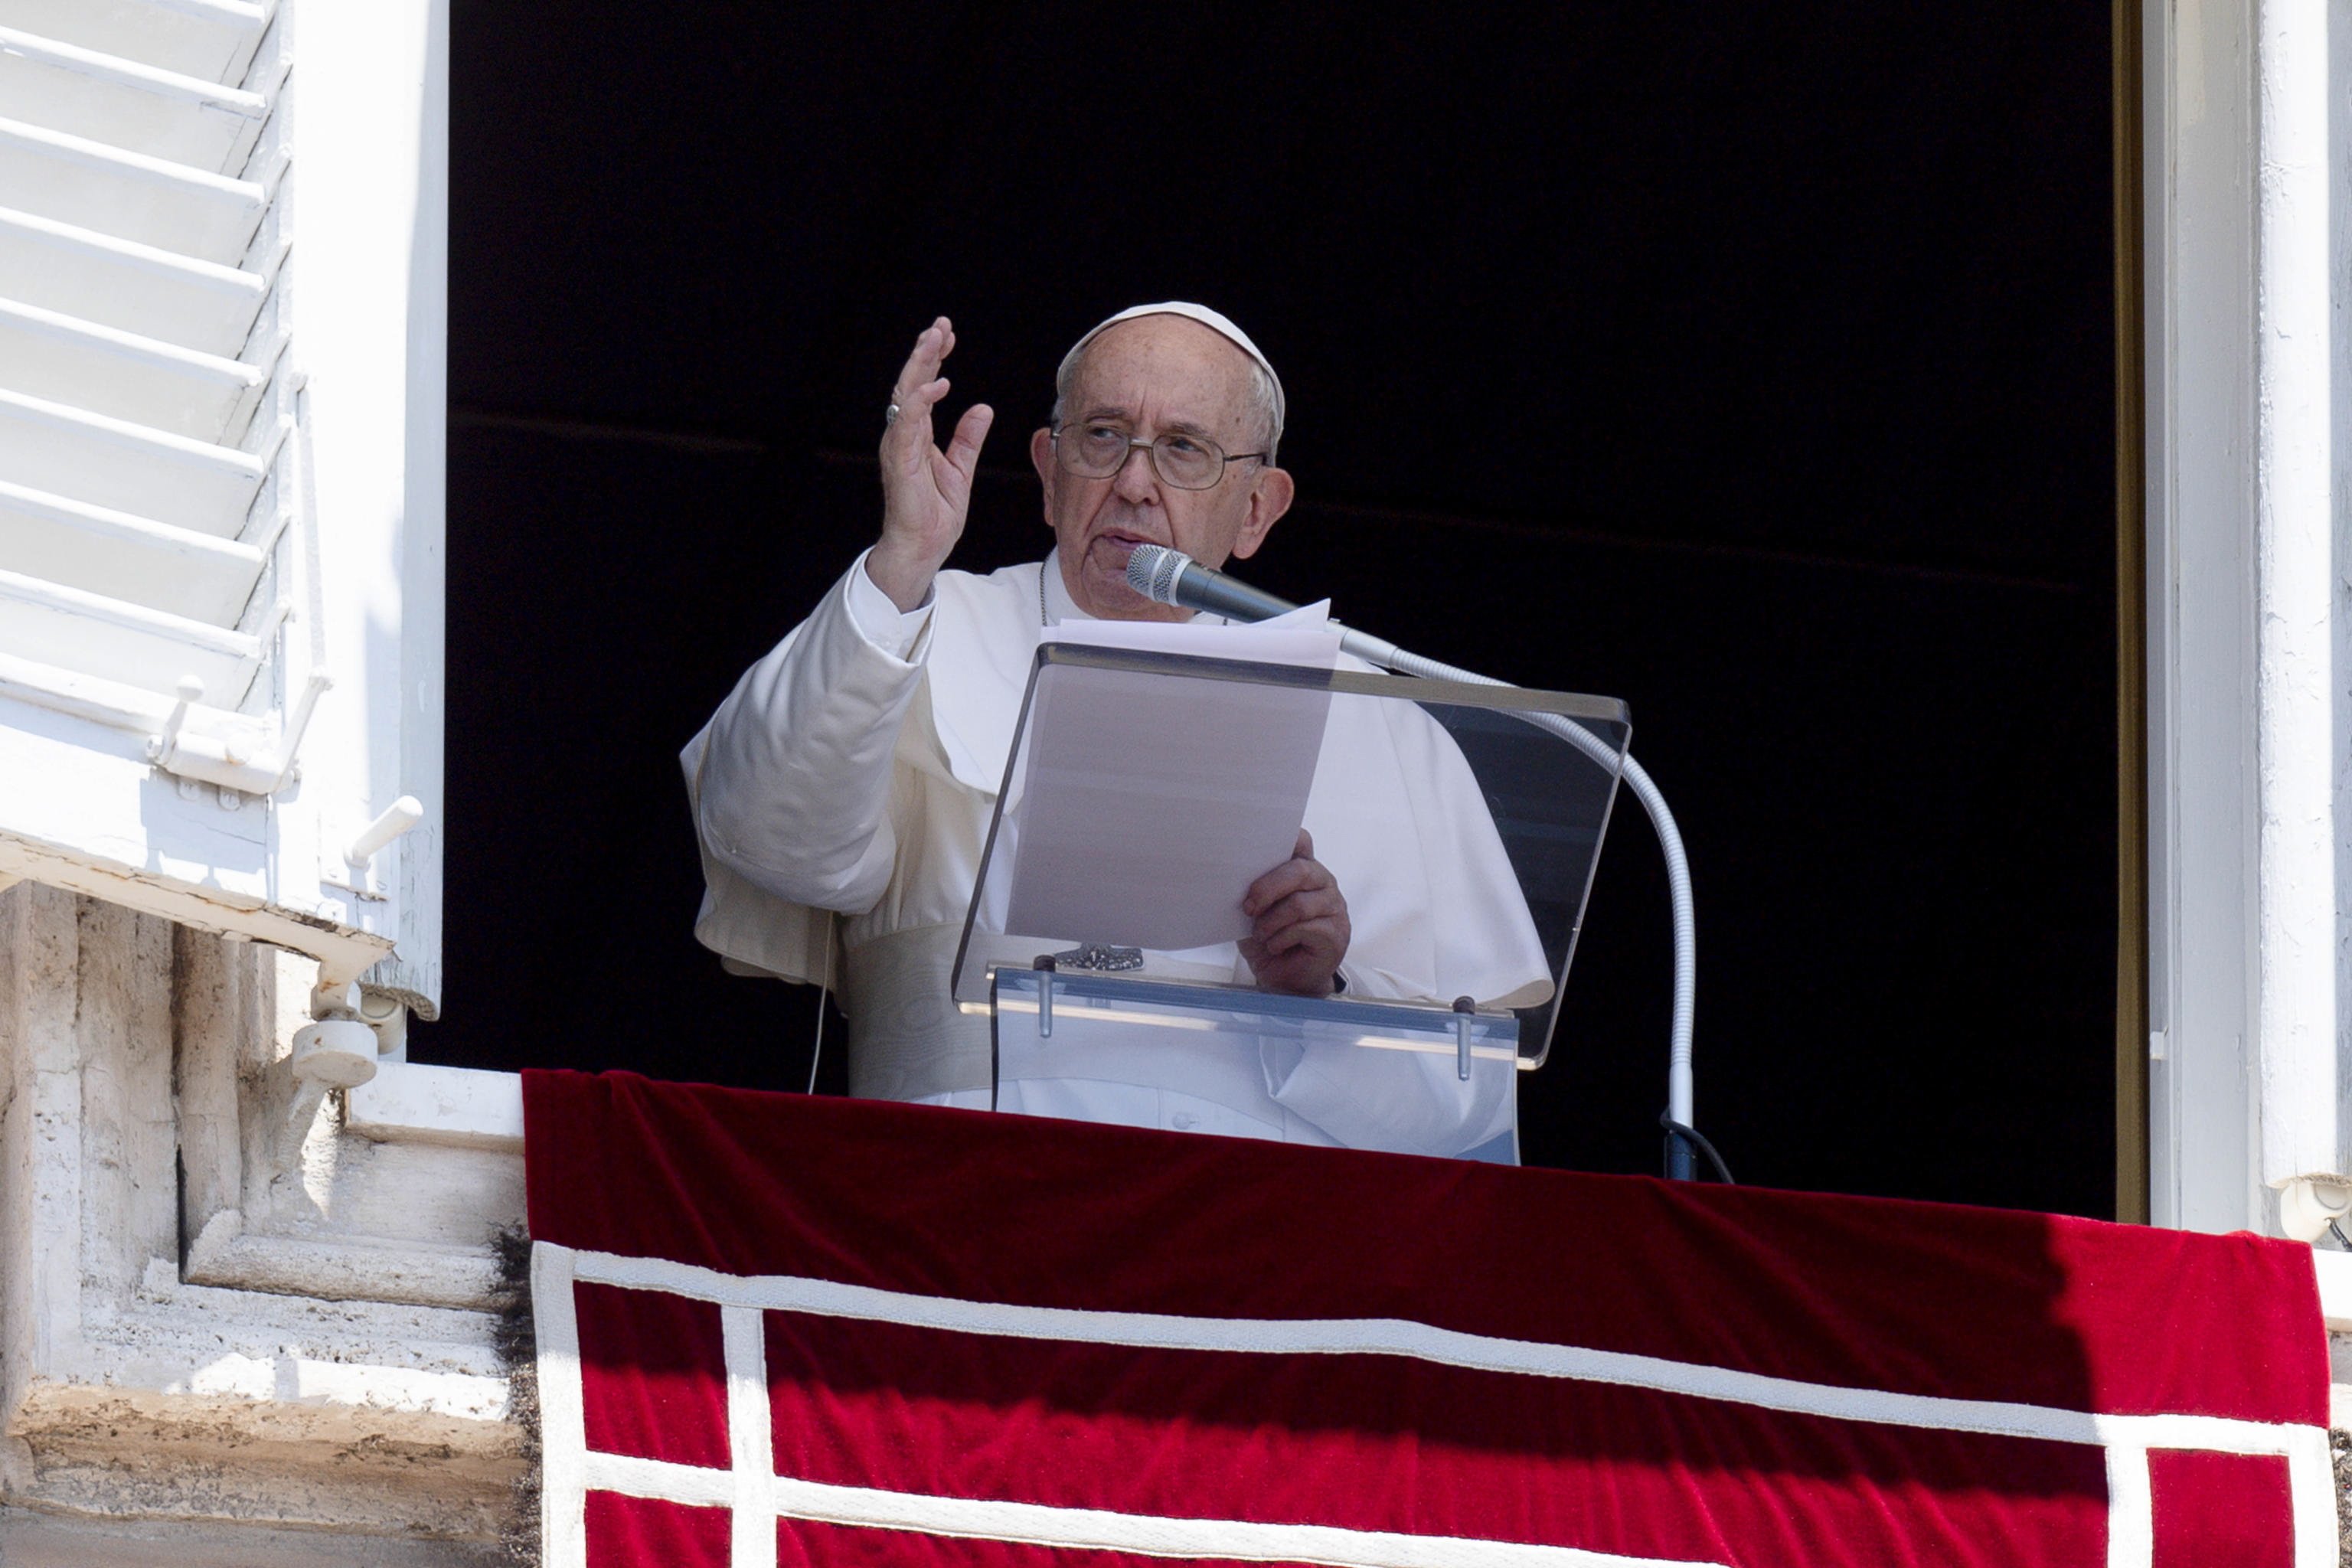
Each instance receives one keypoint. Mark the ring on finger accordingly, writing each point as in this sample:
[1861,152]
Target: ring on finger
[890,416]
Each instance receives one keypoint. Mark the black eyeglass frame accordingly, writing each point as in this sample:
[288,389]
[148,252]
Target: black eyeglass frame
[1224,458]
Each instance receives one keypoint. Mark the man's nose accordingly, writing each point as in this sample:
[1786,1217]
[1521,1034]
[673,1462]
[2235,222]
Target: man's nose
[1136,479]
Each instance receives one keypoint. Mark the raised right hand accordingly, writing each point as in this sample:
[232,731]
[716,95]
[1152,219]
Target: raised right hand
[926,492]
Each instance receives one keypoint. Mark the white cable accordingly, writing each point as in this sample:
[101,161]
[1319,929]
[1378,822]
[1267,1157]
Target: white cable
[1670,839]
[823,983]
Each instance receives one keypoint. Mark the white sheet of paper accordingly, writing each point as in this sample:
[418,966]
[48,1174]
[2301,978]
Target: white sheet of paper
[1149,804]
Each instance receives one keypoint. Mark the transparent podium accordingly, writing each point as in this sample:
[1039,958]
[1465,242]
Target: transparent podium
[1145,793]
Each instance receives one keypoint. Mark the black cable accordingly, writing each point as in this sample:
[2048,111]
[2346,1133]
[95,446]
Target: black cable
[2337,1232]
[1676,1130]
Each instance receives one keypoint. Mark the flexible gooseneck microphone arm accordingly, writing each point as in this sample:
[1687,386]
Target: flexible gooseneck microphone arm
[1170,577]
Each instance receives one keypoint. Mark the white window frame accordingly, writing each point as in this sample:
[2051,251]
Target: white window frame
[2244,212]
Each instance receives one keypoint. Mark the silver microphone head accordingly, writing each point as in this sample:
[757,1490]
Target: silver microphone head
[1152,570]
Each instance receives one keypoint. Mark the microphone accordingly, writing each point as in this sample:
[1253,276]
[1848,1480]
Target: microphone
[1167,576]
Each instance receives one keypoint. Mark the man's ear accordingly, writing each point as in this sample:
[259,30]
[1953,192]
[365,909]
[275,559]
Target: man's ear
[1269,499]
[1041,455]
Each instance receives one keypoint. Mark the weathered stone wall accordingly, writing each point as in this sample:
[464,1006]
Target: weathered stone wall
[33,1539]
[217,1318]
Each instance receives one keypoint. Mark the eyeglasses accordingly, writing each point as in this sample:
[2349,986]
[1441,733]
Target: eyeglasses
[1094,449]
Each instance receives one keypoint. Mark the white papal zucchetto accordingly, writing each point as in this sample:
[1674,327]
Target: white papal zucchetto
[1215,321]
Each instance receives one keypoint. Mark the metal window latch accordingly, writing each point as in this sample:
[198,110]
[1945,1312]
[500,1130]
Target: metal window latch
[359,875]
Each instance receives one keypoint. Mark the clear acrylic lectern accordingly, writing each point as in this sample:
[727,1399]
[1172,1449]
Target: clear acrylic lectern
[1146,792]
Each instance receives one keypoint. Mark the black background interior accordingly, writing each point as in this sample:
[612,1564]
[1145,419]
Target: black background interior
[1752,362]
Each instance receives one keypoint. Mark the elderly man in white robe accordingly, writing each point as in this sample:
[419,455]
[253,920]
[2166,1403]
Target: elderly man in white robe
[843,792]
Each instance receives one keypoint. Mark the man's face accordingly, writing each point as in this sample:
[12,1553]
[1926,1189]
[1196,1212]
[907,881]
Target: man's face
[1152,375]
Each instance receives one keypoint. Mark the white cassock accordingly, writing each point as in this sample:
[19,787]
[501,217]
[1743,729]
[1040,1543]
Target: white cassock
[842,793]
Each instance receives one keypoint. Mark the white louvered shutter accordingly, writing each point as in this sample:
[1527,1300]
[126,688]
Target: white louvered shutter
[222,280]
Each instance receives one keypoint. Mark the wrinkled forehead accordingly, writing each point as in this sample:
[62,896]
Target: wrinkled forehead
[1188,369]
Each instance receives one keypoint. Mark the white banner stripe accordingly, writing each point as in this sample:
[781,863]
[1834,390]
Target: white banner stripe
[1423,1341]
[2311,1494]
[2210,1434]
[1245,1540]
[2131,1514]
[562,1422]
[1033,1524]
[751,1438]
[660,1480]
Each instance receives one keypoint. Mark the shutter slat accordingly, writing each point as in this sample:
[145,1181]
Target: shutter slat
[118,641]
[127,467]
[134,559]
[149,200]
[213,40]
[136,288]
[120,103]
[56,358]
